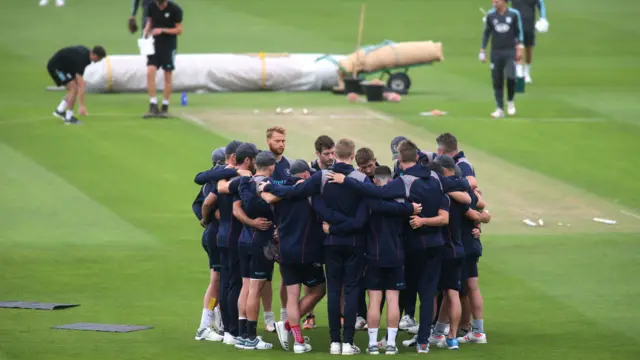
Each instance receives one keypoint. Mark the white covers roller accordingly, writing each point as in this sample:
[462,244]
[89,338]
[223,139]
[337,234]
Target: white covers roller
[217,72]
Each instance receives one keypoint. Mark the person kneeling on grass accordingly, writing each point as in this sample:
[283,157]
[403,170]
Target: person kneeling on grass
[385,259]
[66,68]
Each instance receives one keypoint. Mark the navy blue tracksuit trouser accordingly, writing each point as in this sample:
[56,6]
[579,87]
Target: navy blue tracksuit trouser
[412,273]
[230,286]
[428,288]
[344,267]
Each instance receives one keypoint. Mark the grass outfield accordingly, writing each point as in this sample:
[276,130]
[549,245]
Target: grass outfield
[100,214]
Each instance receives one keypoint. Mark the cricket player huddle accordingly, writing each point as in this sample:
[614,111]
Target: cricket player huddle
[338,231]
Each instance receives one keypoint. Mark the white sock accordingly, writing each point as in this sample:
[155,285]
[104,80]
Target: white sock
[63,106]
[165,102]
[527,69]
[68,115]
[268,315]
[440,329]
[391,336]
[153,100]
[373,336]
[283,315]
[207,318]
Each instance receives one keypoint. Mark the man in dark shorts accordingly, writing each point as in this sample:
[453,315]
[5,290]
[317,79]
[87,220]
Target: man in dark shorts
[527,9]
[385,260]
[164,24]
[504,27]
[66,68]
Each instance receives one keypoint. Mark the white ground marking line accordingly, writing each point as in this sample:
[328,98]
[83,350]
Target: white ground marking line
[380,116]
[628,213]
[520,119]
[192,119]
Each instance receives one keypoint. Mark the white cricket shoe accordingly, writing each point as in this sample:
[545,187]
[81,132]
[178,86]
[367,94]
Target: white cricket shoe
[411,342]
[361,323]
[44,2]
[511,108]
[283,335]
[349,349]
[208,334]
[414,329]
[473,338]
[391,350]
[406,322]
[382,344]
[257,344]
[499,113]
[59,3]
[229,339]
[335,349]
[301,348]
[436,340]
[422,348]
[527,79]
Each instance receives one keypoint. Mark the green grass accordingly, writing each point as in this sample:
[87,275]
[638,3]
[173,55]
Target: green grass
[100,214]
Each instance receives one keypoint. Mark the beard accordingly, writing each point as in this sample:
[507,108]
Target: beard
[276,151]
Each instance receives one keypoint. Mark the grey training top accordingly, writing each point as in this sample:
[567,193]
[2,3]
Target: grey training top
[504,30]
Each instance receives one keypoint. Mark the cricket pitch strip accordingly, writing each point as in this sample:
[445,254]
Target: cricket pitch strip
[513,193]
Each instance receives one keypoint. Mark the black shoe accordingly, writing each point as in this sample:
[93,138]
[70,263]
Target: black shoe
[165,111]
[72,121]
[59,114]
[153,112]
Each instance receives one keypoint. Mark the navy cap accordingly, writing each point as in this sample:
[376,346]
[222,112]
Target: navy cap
[447,162]
[394,145]
[218,156]
[232,147]
[265,158]
[299,166]
[246,150]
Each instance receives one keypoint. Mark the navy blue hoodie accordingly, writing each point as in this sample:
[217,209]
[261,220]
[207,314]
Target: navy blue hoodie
[300,234]
[472,246]
[464,164]
[230,227]
[423,158]
[385,237]
[452,233]
[254,207]
[419,185]
[215,174]
[336,197]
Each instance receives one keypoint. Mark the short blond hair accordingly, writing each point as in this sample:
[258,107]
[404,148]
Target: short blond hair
[275,129]
[345,149]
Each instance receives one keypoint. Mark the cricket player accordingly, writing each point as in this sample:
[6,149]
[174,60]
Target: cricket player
[470,292]
[210,322]
[419,185]
[385,261]
[325,152]
[325,149]
[66,67]
[245,160]
[504,27]
[276,141]
[228,234]
[256,240]
[423,157]
[445,330]
[133,27]
[448,145]
[164,24]
[367,162]
[344,252]
[527,9]
[300,248]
